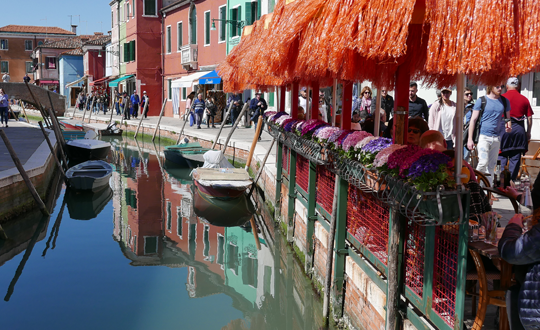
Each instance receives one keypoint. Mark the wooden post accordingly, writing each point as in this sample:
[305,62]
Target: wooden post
[282,97]
[91,109]
[346,106]
[53,151]
[294,100]
[159,120]
[254,229]
[254,142]
[261,169]
[55,123]
[111,101]
[244,109]
[292,195]
[334,103]
[24,111]
[91,106]
[38,104]
[12,113]
[140,121]
[377,113]
[340,250]
[279,179]
[330,253]
[311,216]
[314,113]
[181,131]
[223,120]
[25,177]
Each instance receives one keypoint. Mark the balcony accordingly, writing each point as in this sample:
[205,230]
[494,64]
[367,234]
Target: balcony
[189,57]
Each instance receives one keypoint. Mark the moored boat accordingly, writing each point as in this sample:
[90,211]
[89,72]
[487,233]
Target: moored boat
[111,130]
[91,175]
[87,149]
[184,154]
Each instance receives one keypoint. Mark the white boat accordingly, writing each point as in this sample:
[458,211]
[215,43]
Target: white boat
[88,149]
[91,175]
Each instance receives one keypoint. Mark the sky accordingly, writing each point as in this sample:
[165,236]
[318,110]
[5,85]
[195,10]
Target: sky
[89,16]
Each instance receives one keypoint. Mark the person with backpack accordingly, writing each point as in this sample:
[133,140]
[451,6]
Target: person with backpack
[492,112]
[210,111]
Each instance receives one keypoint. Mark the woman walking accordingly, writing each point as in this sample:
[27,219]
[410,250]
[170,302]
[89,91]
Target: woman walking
[210,112]
[4,104]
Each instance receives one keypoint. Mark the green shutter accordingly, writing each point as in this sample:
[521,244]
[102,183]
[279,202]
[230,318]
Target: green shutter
[271,99]
[258,9]
[126,53]
[132,50]
[207,28]
[238,28]
[248,13]
[169,81]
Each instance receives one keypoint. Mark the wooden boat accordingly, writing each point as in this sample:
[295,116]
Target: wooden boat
[222,213]
[221,183]
[86,205]
[111,130]
[72,125]
[87,149]
[91,175]
[185,154]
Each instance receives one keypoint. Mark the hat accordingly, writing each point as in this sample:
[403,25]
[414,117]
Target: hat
[303,89]
[446,89]
[513,81]
[144,92]
[258,93]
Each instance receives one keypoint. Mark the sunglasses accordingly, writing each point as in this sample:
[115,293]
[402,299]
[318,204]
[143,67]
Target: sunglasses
[367,93]
[468,94]
[414,130]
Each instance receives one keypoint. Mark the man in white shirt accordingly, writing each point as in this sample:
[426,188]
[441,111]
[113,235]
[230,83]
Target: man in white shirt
[6,78]
[441,117]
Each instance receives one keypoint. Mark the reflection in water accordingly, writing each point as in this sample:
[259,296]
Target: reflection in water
[86,205]
[212,267]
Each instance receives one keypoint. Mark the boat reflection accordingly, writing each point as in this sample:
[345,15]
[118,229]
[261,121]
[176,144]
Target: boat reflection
[86,205]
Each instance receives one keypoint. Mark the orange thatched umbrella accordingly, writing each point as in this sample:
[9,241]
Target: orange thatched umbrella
[320,40]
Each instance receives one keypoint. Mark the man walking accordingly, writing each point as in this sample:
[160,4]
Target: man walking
[135,104]
[4,106]
[516,143]
[441,117]
[145,102]
[26,78]
[198,106]
[258,105]
[417,106]
[6,78]
[126,105]
[496,109]
[387,103]
[236,100]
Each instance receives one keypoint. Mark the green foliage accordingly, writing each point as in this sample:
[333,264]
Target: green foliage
[429,180]
[300,254]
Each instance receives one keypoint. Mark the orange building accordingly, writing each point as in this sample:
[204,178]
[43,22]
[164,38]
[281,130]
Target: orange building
[17,42]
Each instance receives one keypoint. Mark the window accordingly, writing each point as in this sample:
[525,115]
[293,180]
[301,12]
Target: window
[28,45]
[179,221]
[193,26]
[207,28]
[127,11]
[29,67]
[4,67]
[184,93]
[221,249]
[236,15]
[168,39]
[112,18]
[150,7]
[150,245]
[129,51]
[50,62]
[169,216]
[179,39]
[252,12]
[3,44]
[169,89]
[206,241]
[222,23]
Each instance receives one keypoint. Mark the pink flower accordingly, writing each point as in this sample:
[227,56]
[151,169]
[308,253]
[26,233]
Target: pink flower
[382,157]
[325,133]
[363,142]
[397,157]
[353,138]
[281,119]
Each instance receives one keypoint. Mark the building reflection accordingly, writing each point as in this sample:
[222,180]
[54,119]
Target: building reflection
[155,225]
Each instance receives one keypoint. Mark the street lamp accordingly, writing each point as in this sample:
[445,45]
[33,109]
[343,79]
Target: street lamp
[115,53]
[239,24]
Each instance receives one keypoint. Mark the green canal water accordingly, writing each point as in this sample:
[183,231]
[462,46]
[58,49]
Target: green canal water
[146,253]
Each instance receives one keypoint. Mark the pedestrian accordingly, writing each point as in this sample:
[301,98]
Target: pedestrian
[89,98]
[198,107]
[237,104]
[417,127]
[469,103]
[303,99]
[417,106]
[387,103]
[210,111]
[493,123]
[260,105]
[355,121]
[97,103]
[365,103]
[6,78]
[516,143]
[26,78]
[80,100]
[441,117]
[106,101]
[126,106]
[135,100]
[145,103]
[189,112]
[4,106]
[117,101]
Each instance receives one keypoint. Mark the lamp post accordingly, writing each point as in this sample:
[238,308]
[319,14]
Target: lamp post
[239,24]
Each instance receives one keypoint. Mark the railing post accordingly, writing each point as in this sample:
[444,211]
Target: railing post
[429,259]
[461,275]
[279,180]
[292,195]
[340,251]
[311,216]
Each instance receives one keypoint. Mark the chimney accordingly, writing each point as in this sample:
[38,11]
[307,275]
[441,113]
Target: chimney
[74,28]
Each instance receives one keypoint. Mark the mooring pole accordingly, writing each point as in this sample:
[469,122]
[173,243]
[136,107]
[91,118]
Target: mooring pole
[244,109]
[254,142]
[159,120]
[91,109]
[25,177]
[24,111]
[39,106]
[262,167]
[140,121]
[223,120]
[52,151]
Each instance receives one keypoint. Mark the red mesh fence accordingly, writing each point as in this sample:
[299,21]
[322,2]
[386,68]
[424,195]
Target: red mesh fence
[444,272]
[414,257]
[285,162]
[325,188]
[302,172]
[367,221]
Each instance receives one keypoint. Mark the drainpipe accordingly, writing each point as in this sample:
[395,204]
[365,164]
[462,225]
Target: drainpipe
[163,57]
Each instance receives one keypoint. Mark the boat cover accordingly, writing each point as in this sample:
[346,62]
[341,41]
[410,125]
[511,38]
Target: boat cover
[215,159]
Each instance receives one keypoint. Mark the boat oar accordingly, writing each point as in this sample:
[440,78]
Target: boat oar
[244,109]
[222,125]
[262,168]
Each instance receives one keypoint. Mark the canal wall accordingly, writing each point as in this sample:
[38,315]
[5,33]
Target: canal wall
[15,198]
[361,301]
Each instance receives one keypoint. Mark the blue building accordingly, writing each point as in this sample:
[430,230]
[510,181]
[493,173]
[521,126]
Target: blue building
[71,75]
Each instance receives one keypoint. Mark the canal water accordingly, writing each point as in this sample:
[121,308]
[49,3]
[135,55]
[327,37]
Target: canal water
[150,253]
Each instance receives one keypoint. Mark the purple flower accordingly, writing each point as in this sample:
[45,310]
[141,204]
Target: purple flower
[277,115]
[395,159]
[427,164]
[408,161]
[335,135]
[269,113]
[288,124]
[353,139]
[374,146]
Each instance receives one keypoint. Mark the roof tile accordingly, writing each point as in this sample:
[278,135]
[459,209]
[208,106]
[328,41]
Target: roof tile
[35,29]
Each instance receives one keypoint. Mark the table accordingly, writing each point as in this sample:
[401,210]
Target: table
[490,297]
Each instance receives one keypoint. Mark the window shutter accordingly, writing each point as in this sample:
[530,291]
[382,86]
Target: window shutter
[132,50]
[248,13]
[126,53]
[258,9]
[239,18]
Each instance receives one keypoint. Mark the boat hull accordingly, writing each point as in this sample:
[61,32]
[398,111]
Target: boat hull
[188,157]
[80,153]
[228,213]
[90,175]
[223,193]
[107,132]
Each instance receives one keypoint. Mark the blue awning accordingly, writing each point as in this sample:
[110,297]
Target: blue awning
[114,83]
[210,78]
